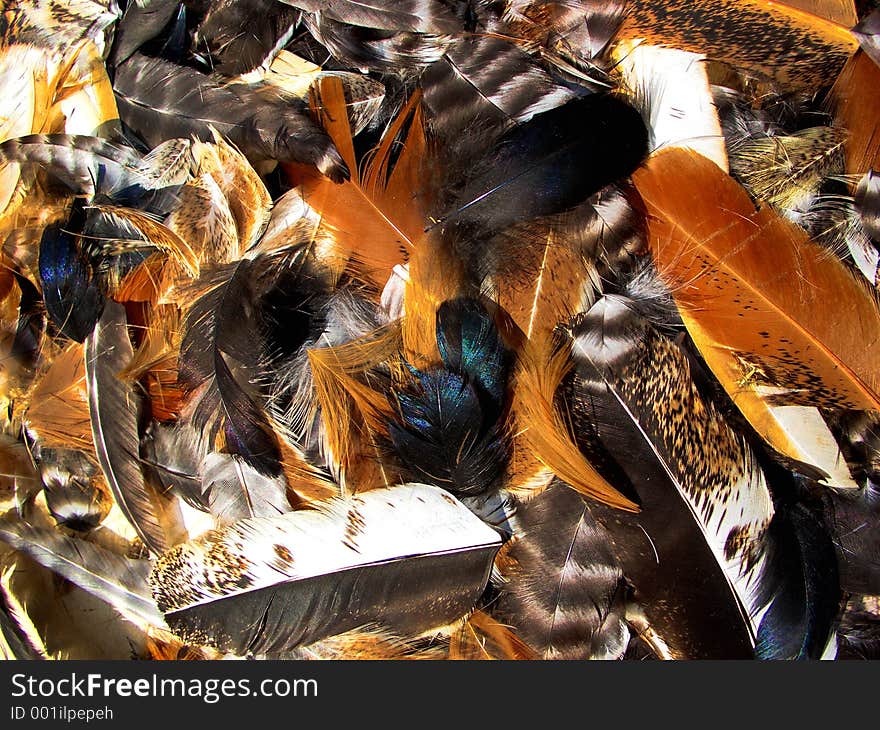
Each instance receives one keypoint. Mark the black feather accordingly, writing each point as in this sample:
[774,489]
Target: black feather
[71,292]
[142,21]
[417,16]
[241,35]
[566,595]
[549,164]
[804,603]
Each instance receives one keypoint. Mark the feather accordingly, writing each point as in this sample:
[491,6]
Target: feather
[577,32]
[418,16]
[541,369]
[798,50]
[142,21]
[708,517]
[120,582]
[114,410]
[287,581]
[549,164]
[73,297]
[241,36]
[384,51]
[852,514]
[672,89]
[75,496]
[246,195]
[800,620]
[786,171]
[57,407]
[842,12]
[448,429]
[857,112]
[58,24]
[236,491]
[564,592]
[868,34]
[160,100]
[219,361]
[481,87]
[779,353]
[84,165]
[19,638]
[858,635]
[867,200]
[376,217]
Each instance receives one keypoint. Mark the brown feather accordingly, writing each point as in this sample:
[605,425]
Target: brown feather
[797,49]
[541,370]
[354,415]
[58,404]
[842,12]
[758,297]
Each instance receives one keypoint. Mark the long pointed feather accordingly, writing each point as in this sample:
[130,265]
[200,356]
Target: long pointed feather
[113,408]
[268,585]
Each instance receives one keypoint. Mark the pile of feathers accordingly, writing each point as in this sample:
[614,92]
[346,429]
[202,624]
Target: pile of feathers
[440,329]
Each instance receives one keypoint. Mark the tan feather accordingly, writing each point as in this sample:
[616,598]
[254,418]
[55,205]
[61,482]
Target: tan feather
[58,405]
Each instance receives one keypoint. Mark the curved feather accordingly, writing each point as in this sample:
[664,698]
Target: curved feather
[114,412]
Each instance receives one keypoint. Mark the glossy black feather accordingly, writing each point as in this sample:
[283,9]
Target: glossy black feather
[71,292]
[448,430]
[549,164]
[159,100]
[803,608]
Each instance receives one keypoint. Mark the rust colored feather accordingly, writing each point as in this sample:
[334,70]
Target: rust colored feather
[797,49]
[777,319]
[377,216]
[857,110]
[541,370]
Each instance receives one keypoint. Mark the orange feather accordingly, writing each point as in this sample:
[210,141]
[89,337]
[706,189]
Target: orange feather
[761,301]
